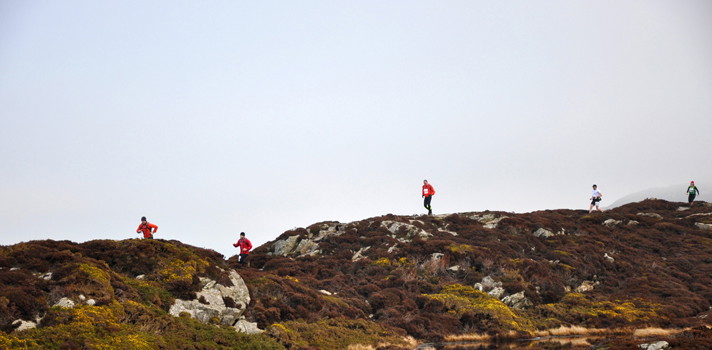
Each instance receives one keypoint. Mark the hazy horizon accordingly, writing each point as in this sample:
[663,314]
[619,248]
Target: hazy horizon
[216,118]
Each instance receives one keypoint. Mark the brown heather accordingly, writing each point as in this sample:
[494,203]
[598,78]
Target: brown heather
[660,283]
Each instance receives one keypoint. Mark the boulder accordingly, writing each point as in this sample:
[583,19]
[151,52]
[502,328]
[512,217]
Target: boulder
[247,327]
[497,292]
[23,325]
[487,284]
[608,257]
[518,301]
[632,223]
[542,232]
[45,276]
[213,306]
[611,222]
[307,247]
[586,286]
[659,345]
[65,303]
[285,246]
[411,230]
[455,268]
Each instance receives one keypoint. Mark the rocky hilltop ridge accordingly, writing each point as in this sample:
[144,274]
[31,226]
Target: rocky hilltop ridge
[384,282]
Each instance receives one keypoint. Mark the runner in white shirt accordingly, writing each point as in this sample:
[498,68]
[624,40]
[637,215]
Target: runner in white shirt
[595,198]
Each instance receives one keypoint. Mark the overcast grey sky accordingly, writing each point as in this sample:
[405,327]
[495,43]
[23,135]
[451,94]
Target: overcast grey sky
[215,117]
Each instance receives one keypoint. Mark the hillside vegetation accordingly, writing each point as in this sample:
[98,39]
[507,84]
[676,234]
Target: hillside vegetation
[384,282]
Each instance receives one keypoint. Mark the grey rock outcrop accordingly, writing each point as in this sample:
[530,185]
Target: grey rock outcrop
[285,246]
[23,325]
[487,284]
[247,327]
[307,247]
[411,231]
[45,276]
[651,215]
[612,222]
[359,254]
[703,226]
[586,286]
[213,296]
[455,268]
[659,345]
[301,246]
[518,301]
[497,292]
[65,303]
[542,232]
[488,220]
[293,245]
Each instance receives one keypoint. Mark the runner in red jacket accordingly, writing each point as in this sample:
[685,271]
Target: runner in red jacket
[428,193]
[147,228]
[245,245]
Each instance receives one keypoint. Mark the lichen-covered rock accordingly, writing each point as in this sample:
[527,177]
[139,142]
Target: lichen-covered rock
[23,325]
[455,268]
[210,301]
[612,222]
[487,284]
[586,286]
[488,220]
[659,345]
[411,230]
[65,303]
[285,246]
[244,326]
[497,292]
[518,301]
[542,232]
[359,254]
[307,247]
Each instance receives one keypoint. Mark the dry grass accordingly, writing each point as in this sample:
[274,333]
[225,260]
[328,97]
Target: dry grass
[467,337]
[360,347]
[575,342]
[655,332]
[412,342]
[409,342]
[572,330]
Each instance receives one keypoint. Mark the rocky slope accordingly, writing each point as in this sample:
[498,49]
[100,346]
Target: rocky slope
[134,294]
[386,282]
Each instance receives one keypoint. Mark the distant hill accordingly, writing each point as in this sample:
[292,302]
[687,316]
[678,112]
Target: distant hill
[672,193]
[388,282]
